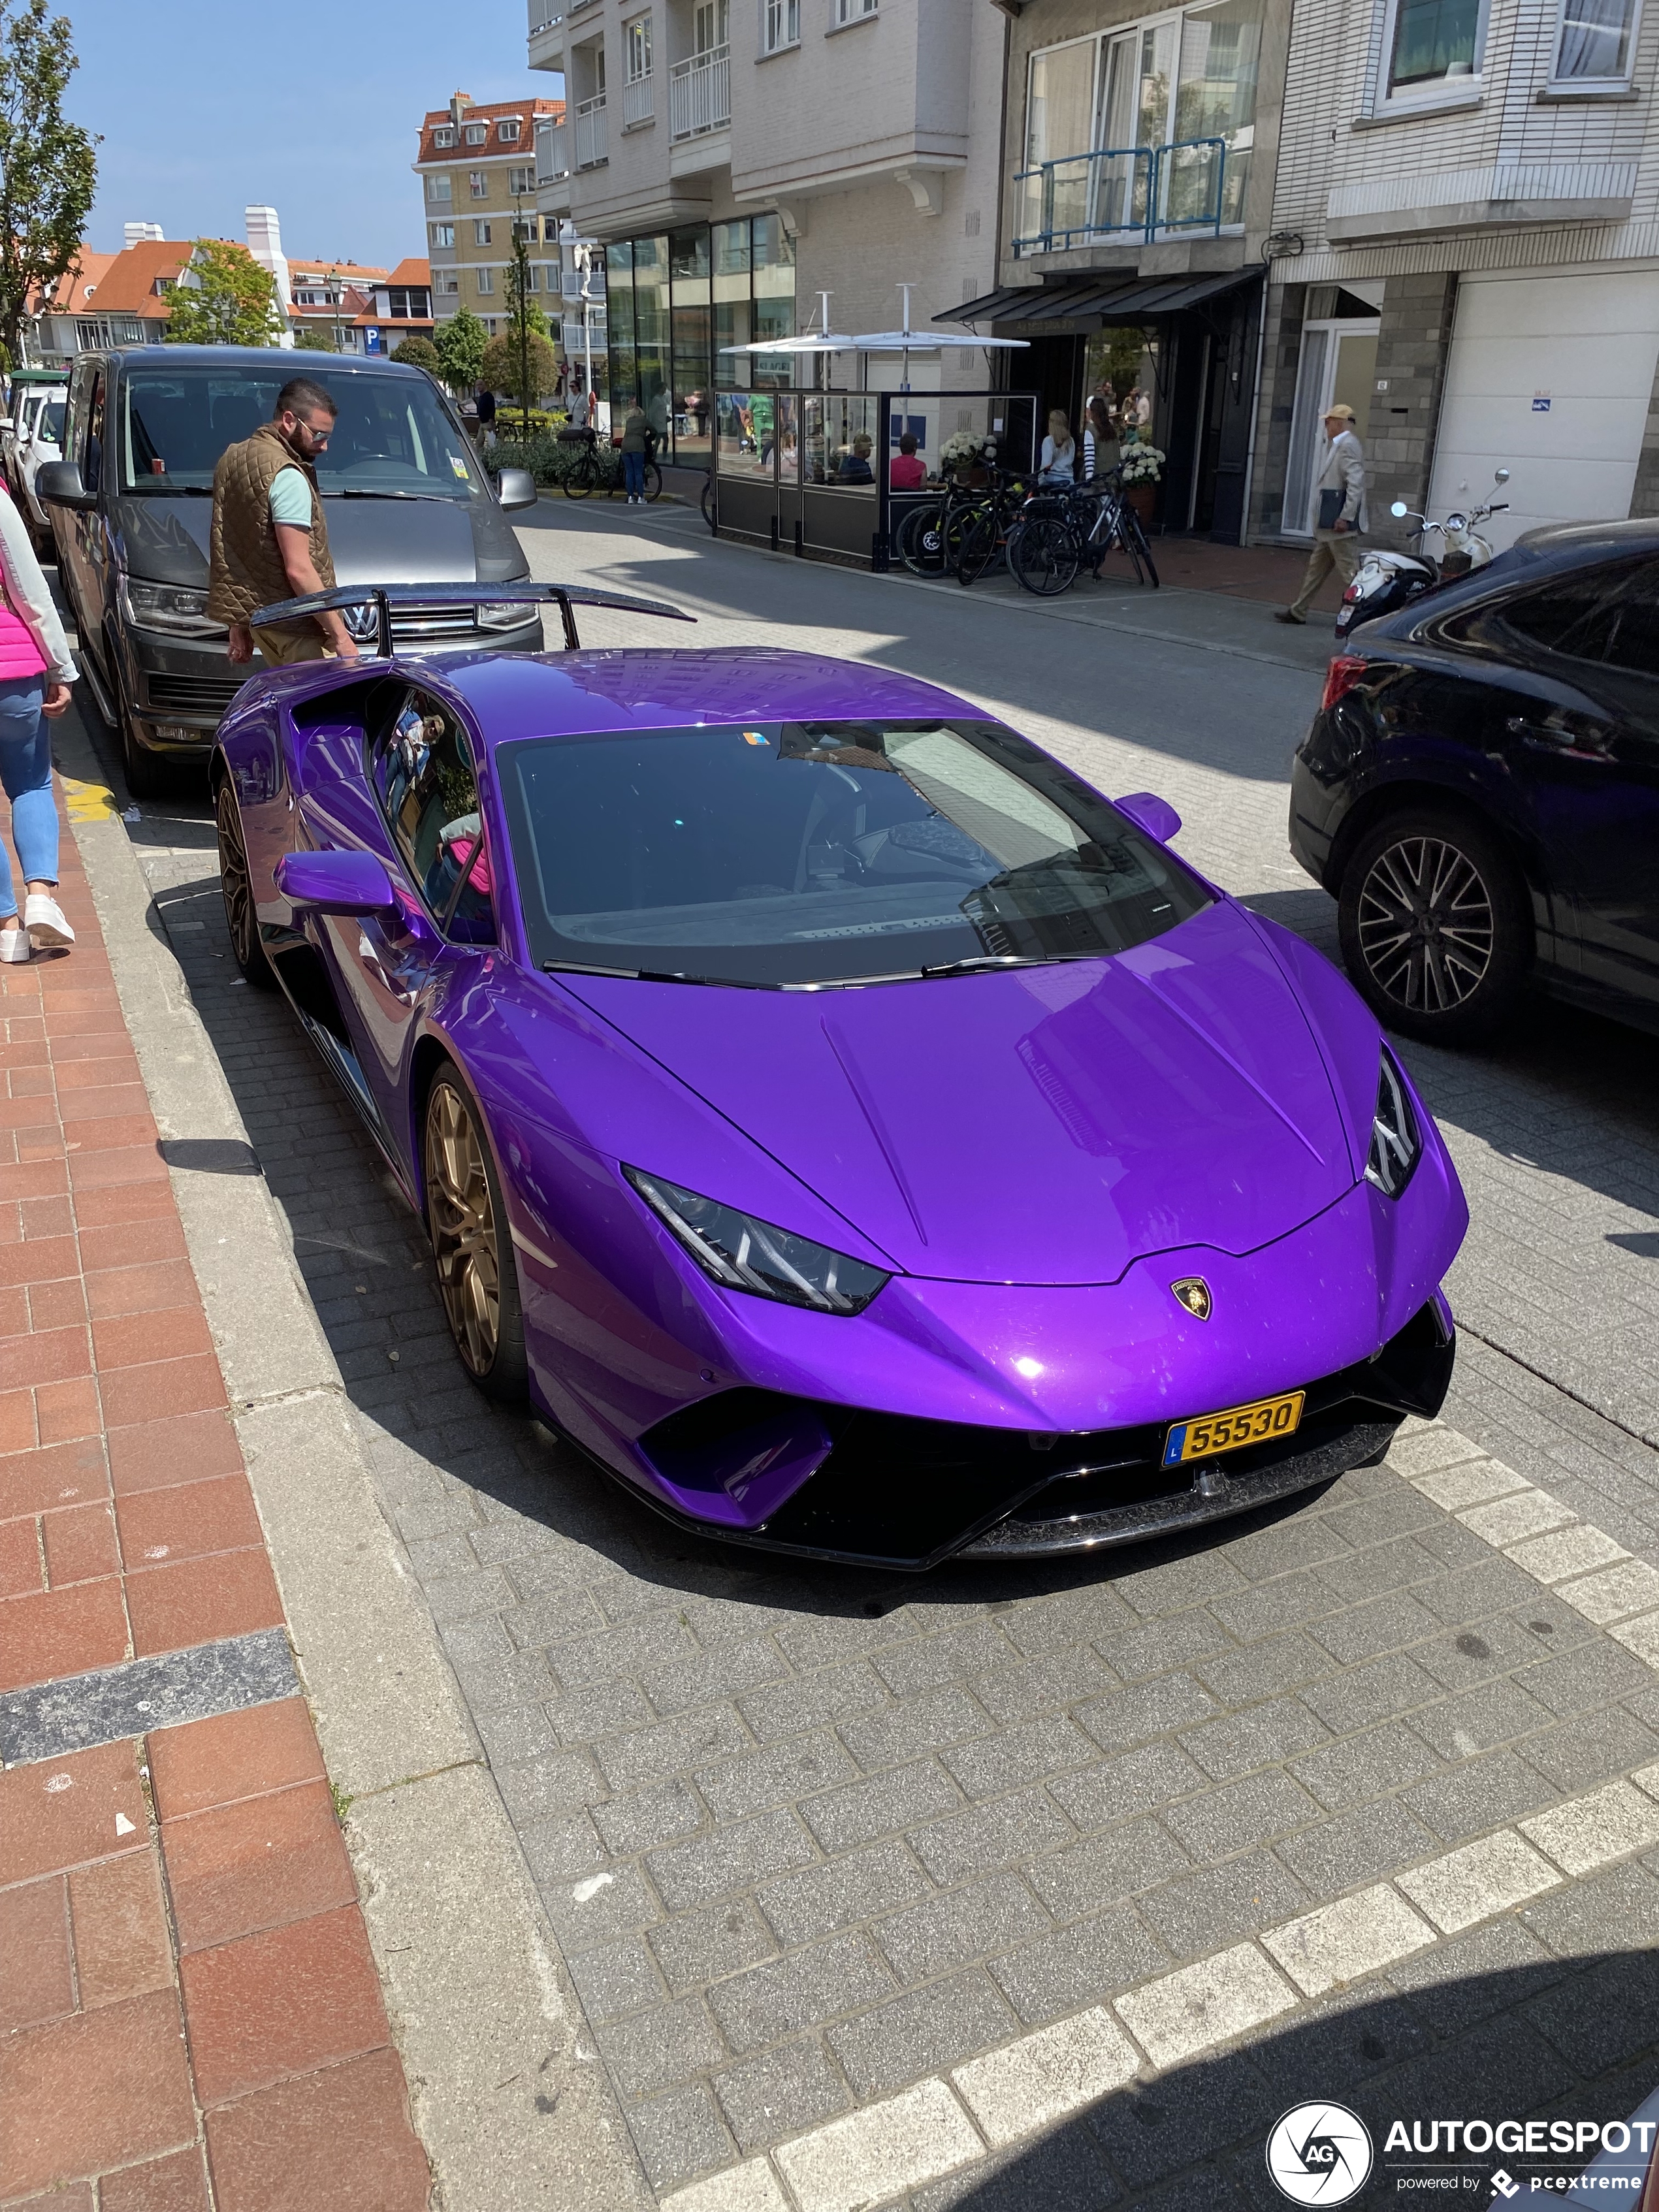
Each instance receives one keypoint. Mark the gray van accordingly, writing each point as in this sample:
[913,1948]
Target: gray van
[406,498]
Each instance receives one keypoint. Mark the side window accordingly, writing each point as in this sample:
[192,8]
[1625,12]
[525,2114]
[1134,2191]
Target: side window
[424,775]
[1572,614]
[92,457]
[1633,625]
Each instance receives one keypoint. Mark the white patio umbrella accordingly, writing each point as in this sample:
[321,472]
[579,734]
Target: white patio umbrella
[906,341]
[821,341]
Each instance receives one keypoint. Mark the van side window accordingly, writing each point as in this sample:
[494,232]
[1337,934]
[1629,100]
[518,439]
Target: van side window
[424,772]
[92,453]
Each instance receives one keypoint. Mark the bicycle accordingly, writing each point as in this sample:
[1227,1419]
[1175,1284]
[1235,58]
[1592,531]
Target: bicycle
[986,535]
[1098,518]
[589,473]
[929,538]
[711,513]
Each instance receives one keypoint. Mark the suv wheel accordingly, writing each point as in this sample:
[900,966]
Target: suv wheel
[1434,924]
[146,773]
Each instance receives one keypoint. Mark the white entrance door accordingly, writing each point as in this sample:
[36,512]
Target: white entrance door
[1338,364]
[1549,377]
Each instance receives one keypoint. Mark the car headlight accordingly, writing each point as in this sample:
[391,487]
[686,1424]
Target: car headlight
[1396,1143]
[508,614]
[169,607]
[743,1254]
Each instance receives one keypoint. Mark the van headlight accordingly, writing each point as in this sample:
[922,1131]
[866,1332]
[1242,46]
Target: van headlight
[170,607]
[743,1254]
[1397,1143]
[508,614]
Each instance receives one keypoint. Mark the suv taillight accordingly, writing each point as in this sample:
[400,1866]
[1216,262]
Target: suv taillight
[1344,672]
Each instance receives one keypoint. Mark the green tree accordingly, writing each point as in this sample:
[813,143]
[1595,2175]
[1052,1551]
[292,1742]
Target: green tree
[528,376]
[48,170]
[502,367]
[419,352]
[315,342]
[232,301]
[460,343]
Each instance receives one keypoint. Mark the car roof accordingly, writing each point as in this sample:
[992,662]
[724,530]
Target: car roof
[1587,541]
[557,693]
[296,362]
[1554,548]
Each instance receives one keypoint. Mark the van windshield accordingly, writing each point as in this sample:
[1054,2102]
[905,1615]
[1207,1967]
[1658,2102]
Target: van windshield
[394,434]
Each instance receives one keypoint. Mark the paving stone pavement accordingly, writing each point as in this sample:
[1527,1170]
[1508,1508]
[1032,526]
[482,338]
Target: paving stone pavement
[813,1839]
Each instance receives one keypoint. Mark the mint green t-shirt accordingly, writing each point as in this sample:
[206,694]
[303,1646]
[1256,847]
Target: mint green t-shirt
[290,499]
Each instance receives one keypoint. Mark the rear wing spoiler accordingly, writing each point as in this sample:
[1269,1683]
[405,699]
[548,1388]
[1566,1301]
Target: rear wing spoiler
[384,598]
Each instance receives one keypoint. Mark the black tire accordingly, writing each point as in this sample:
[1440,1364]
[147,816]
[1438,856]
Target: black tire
[471,1244]
[921,541]
[147,774]
[1140,551]
[709,504]
[578,486]
[247,948]
[1434,926]
[982,544]
[653,481]
[1044,556]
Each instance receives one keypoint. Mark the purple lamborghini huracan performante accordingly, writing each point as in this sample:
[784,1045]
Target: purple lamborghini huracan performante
[851,1130]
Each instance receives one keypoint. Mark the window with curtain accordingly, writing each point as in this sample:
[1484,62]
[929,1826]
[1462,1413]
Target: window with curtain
[1434,42]
[780,25]
[1220,51]
[1594,41]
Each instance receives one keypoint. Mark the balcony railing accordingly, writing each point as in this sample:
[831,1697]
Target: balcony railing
[552,152]
[699,94]
[545,15]
[637,104]
[592,144]
[1124,192]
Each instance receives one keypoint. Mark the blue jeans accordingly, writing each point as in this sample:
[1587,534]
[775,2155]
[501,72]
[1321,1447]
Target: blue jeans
[26,778]
[633,474]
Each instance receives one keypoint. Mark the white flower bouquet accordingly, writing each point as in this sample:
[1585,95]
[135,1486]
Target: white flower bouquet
[967,449]
[1143,464]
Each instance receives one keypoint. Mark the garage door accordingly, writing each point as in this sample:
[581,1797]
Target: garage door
[1587,346]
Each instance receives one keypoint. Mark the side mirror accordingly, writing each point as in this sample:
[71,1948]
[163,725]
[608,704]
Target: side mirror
[515,487]
[1148,812]
[1500,476]
[58,484]
[335,883]
[1399,509]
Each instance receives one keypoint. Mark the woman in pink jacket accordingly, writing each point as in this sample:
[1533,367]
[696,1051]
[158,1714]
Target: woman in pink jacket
[35,674]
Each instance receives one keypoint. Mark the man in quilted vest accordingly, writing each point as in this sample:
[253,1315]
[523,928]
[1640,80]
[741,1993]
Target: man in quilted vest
[270,534]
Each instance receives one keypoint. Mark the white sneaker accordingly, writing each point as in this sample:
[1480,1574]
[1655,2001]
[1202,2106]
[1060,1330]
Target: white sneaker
[15,942]
[45,921]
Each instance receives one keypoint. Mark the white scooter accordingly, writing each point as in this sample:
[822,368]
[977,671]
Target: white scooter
[1385,580]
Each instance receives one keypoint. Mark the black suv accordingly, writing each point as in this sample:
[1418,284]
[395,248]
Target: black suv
[1480,790]
[407,501]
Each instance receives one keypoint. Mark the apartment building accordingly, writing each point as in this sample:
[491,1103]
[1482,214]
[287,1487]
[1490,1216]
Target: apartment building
[112,299]
[1469,195]
[1136,204]
[738,160]
[477,167]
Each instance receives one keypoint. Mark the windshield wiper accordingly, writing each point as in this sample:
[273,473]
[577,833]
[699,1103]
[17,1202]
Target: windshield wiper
[983,962]
[655,975]
[368,491]
[158,488]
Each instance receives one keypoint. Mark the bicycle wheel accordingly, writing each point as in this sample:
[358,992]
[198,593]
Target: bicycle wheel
[579,481]
[979,546]
[1139,552]
[1044,556]
[921,541]
[710,512]
[653,481]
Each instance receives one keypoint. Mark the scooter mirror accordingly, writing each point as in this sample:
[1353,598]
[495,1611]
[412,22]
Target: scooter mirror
[1500,476]
[1400,507]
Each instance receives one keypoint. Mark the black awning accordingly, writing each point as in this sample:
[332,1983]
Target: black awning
[1103,298]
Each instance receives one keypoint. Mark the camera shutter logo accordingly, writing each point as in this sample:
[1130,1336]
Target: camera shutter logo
[1320,2153]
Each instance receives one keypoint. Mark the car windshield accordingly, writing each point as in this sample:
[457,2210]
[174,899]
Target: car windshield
[815,852]
[394,433]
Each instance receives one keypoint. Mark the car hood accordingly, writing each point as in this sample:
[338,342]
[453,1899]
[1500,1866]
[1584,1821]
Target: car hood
[373,541]
[1045,1125]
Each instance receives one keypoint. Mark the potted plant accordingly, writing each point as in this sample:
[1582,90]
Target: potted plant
[968,457]
[1141,473]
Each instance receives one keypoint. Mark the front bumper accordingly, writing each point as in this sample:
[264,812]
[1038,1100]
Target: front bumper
[897,1492]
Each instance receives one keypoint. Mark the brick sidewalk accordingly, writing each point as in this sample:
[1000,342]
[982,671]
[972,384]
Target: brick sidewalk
[190,2014]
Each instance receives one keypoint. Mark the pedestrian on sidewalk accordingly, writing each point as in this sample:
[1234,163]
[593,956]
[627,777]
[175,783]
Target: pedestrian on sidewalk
[486,406]
[35,675]
[269,539]
[635,439]
[1342,495]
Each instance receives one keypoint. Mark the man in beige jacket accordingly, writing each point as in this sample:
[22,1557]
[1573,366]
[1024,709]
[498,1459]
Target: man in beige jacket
[1341,491]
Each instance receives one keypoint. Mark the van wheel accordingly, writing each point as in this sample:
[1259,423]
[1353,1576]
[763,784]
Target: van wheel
[1434,922]
[146,774]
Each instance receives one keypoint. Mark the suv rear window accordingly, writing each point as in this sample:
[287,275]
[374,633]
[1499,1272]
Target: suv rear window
[394,433]
[1609,615]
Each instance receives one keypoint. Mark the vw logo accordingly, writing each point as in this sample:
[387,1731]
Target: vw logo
[1319,2155]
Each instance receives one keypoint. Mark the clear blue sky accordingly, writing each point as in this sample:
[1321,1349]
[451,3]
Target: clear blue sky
[205,106]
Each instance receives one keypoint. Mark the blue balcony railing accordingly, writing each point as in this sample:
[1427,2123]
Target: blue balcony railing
[1122,193]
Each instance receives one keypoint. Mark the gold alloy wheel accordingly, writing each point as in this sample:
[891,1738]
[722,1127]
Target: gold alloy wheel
[462,1222]
[234,879]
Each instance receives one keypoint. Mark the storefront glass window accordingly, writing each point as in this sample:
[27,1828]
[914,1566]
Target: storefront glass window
[774,292]
[651,333]
[689,252]
[730,290]
[619,293]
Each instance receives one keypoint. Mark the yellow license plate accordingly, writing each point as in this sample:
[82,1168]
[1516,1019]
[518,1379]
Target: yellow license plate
[1262,1422]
